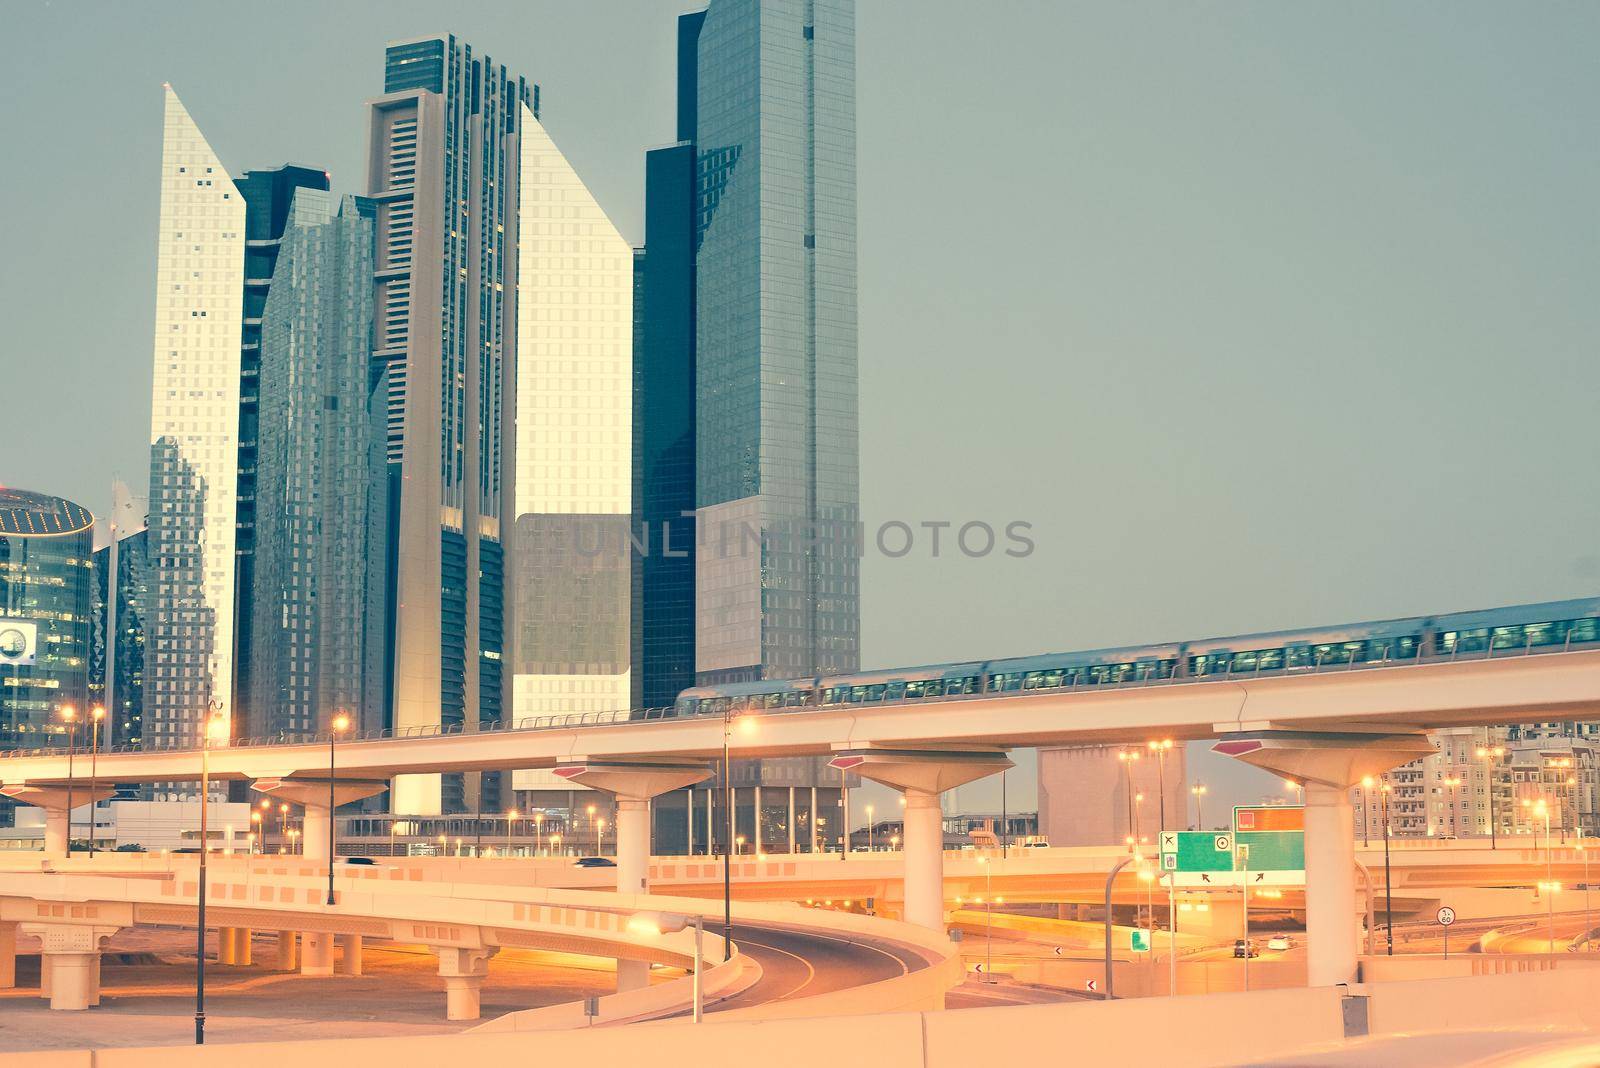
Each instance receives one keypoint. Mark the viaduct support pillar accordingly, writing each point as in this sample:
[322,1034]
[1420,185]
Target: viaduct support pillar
[316,953]
[463,971]
[69,964]
[8,955]
[1328,764]
[53,799]
[633,784]
[923,775]
[311,794]
[350,958]
[287,959]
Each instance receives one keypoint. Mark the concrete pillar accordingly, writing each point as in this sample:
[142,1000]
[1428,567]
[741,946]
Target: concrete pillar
[1332,934]
[633,785]
[8,955]
[632,975]
[316,953]
[315,834]
[55,832]
[45,967]
[633,845]
[71,979]
[924,860]
[463,971]
[350,958]
[288,958]
[94,980]
[923,776]
[226,946]
[1328,765]
[243,946]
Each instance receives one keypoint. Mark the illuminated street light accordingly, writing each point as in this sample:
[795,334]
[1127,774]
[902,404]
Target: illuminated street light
[340,723]
[1126,757]
[95,718]
[1161,749]
[1199,792]
[215,728]
[70,715]
[511,815]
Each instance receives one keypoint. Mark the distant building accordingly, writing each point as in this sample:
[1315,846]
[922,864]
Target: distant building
[1098,795]
[443,172]
[318,574]
[46,612]
[124,698]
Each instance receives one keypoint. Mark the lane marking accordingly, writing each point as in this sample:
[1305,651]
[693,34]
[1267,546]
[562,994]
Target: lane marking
[811,972]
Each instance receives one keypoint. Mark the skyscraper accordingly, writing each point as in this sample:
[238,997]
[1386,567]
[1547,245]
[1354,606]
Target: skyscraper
[746,383]
[267,196]
[319,487]
[442,171]
[194,428]
[766,110]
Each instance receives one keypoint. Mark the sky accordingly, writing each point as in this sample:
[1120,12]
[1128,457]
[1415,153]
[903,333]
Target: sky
[1261,315]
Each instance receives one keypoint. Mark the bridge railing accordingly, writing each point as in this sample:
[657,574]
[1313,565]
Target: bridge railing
[1079,682]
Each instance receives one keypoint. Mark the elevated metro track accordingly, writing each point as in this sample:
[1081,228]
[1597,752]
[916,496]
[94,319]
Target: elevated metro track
[1404,696]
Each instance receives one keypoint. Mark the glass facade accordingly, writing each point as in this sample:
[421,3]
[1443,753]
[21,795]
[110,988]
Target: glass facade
[664,432]
[778,591]
[125,701]
[194,428]
[267,196]
[320,481]
[46,615]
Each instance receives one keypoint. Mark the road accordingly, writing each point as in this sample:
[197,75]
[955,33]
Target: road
[798,964]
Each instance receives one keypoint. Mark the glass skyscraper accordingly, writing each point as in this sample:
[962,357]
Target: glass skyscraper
[194,428]
[775,345]
[267,196]
[745,374]
[318,608]
[116,675]
[443,176]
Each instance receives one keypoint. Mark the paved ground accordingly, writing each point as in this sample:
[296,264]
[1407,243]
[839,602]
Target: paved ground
[1525,1049]
[147,996]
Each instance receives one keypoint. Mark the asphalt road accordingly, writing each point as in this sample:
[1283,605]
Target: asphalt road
[799,964]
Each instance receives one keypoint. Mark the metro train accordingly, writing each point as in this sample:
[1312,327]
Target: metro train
[1518,628]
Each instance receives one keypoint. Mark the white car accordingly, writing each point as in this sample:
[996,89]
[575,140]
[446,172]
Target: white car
[1280,942]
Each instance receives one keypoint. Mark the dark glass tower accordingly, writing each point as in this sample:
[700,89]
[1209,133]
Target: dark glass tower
[318,563]
[775,344]
[664,430]
[267,197]
[124,703]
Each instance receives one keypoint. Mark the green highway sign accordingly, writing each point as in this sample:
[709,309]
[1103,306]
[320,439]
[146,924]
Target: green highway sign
[1270,850]
[1192,851]
[1139,940]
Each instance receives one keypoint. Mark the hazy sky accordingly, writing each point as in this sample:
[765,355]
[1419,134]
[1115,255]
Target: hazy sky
[1263,314]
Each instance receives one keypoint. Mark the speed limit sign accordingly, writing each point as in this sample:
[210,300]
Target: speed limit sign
[1447,915]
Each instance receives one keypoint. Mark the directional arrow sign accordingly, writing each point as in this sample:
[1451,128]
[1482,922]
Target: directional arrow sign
[1092,986]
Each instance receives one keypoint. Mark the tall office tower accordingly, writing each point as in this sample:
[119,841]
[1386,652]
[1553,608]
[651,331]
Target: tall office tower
[267,195]
[319,551]
[664,432]
[574,427]
[194,428]
[775,346]
[746,377]
[442,169]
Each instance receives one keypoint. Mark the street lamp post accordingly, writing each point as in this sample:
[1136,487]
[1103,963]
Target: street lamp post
[214,727]
[869,828]
[1491,757]
[988,920]
[394,826]
[94,757]
[1126,757]
[538,833]
[1388,880]
[746,724]
[1199,792]
[1160,749]
[511,815]
[1541,808]
[70,714]
[1453,782]
[283,827]
[1138,803]
[600,838]
[340,722]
